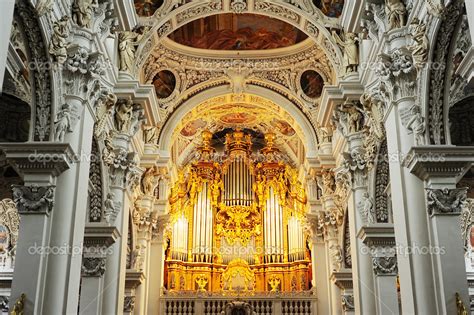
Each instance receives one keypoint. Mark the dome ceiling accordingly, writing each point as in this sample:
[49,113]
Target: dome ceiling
[238,32]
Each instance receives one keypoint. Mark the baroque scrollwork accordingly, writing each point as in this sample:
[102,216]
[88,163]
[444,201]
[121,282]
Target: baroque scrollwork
[384,261]
[129,304]
[34,198]
[347,301]
[445,201]
[93,267]
[41,75]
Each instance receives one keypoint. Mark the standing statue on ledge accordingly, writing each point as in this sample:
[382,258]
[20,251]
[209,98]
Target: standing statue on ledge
[58,44]
[420,46]
[123,115]
[351,51]
[366,209]
[128,43]
[149,181]
[259,189]
[62,124]
[216,187]
[396,14]
[150,134]
[82,11]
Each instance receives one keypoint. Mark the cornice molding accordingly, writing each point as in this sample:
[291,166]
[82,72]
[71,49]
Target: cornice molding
[434,162]
[48,158]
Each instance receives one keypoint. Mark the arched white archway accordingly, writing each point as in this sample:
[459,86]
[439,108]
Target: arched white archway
[310,137]
[312,23]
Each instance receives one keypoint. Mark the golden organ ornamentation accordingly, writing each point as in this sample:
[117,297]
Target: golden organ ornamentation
[239,213]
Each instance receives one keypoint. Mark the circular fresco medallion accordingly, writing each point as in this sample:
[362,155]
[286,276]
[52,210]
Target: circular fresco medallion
[165,83]
[312,83]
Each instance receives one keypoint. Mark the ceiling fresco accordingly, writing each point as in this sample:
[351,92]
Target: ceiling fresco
[330,8]
[147,7]
[238,111]
[238,32]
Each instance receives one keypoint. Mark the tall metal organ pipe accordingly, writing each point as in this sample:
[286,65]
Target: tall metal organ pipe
[273,233]
[179,244]
[238,183]
[202,236]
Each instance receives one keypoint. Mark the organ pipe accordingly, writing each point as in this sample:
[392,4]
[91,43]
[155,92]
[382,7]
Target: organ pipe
[282,239]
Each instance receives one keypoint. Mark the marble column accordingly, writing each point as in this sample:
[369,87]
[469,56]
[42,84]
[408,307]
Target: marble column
[133,280]
[62,293]
[124,175]
[403,125]
[156,274]
[143,222]
[97,240]
[380,239]
[93,269]
[332,218]
[364,292]
[119,217]
[343,279]
[35,203]
[441,168]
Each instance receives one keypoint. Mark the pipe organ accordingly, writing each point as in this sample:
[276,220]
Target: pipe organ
[237,220]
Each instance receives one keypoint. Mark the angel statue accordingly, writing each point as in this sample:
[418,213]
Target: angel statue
[150,134]
[59,39]
[351,50]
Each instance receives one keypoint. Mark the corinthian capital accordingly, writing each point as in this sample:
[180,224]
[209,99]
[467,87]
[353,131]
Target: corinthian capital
[398,73]
[34,198]
[355,164]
